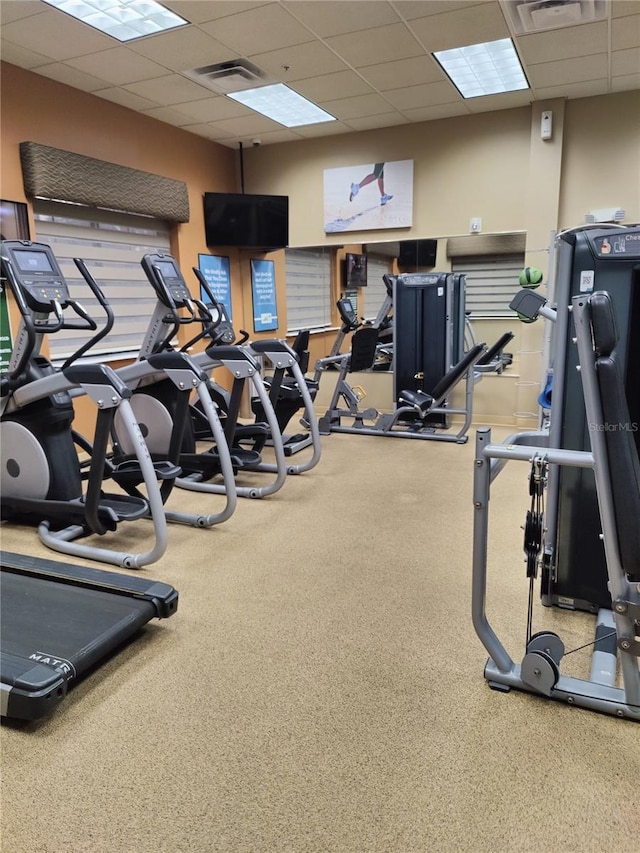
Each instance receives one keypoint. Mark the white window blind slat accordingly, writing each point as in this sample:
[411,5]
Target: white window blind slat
[308,277]
[112,245]
[492,282]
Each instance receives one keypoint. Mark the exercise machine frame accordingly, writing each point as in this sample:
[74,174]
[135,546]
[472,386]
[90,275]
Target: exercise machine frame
[539,671]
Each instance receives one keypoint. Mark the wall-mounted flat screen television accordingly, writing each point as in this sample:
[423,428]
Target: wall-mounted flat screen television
[246,221]
[417,253]
[355,271]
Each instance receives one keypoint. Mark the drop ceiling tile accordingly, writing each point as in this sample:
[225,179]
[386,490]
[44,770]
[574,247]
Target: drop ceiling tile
[335,17]
[436,112]
[427,95]
[212,109]
[411,71]
[304,60]
[273,136]
[63,73]
[56,35]
[625,82]
[169,90]
[470,25]
[182,49]
[625,33]
[127,99]
[20,56]
[574,90]
[383,44]
[564,43]
[248,125]
[15,11]
[118,66]
[625,7]
[198,12]
[625,62]
[504,101]
[356,107]
[576,70]
[258,30]
[208,130]
[330,128]
[410,9]
[375,122]
[168,116]
[347,83]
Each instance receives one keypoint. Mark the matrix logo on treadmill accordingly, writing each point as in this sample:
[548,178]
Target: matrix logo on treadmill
[61,664]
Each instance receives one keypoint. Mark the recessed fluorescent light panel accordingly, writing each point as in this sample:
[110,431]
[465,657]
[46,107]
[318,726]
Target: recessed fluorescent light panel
[484,69]
[282,104]
[123,19]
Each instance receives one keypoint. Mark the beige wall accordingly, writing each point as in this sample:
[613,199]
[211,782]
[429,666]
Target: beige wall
[601,158]
[463,167]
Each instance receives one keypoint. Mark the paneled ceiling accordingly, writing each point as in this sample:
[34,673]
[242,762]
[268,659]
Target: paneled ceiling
[367,62]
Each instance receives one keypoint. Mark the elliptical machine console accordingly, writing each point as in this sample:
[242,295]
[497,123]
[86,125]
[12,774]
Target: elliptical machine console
[40,276]
[166,279]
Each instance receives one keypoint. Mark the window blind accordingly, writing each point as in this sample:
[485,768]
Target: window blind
[308,277]
[112,245]
[492,282]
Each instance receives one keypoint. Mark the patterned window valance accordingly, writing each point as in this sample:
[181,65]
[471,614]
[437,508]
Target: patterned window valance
[476,245]
[55,174]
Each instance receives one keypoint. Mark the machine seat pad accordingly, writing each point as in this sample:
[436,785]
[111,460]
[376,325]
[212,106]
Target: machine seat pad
[420,400]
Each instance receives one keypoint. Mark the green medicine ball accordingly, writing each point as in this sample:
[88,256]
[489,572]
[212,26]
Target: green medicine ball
[530,277]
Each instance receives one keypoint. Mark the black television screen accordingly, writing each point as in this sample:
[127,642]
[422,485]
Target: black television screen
[355,271]
[246,221]
[417,253]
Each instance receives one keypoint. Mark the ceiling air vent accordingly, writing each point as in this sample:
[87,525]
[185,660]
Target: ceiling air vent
[530,16]
[231,76]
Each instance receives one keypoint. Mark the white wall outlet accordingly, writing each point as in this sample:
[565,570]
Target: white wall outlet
[475,225]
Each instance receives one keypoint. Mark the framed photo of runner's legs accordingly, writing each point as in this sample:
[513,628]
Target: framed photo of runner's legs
[368,197]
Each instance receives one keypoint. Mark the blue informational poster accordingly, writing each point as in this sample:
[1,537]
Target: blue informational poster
[217,273]
[263,288]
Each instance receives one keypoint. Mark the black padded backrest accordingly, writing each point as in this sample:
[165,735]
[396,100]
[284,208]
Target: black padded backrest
[300,346]
[451,379]
[363,349]
[619,434]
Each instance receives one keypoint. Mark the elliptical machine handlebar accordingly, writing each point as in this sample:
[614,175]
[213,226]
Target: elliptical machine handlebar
[224,331]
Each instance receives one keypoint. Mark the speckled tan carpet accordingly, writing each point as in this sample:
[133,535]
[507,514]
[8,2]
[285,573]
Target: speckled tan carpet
[320,689]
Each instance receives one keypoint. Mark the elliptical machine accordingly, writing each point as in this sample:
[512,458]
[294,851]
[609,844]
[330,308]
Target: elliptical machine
[42,475]
[289,390]
[162,380]
[201,474]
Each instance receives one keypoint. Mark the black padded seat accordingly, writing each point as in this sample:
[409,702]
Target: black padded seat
[363,349]
[622,453]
